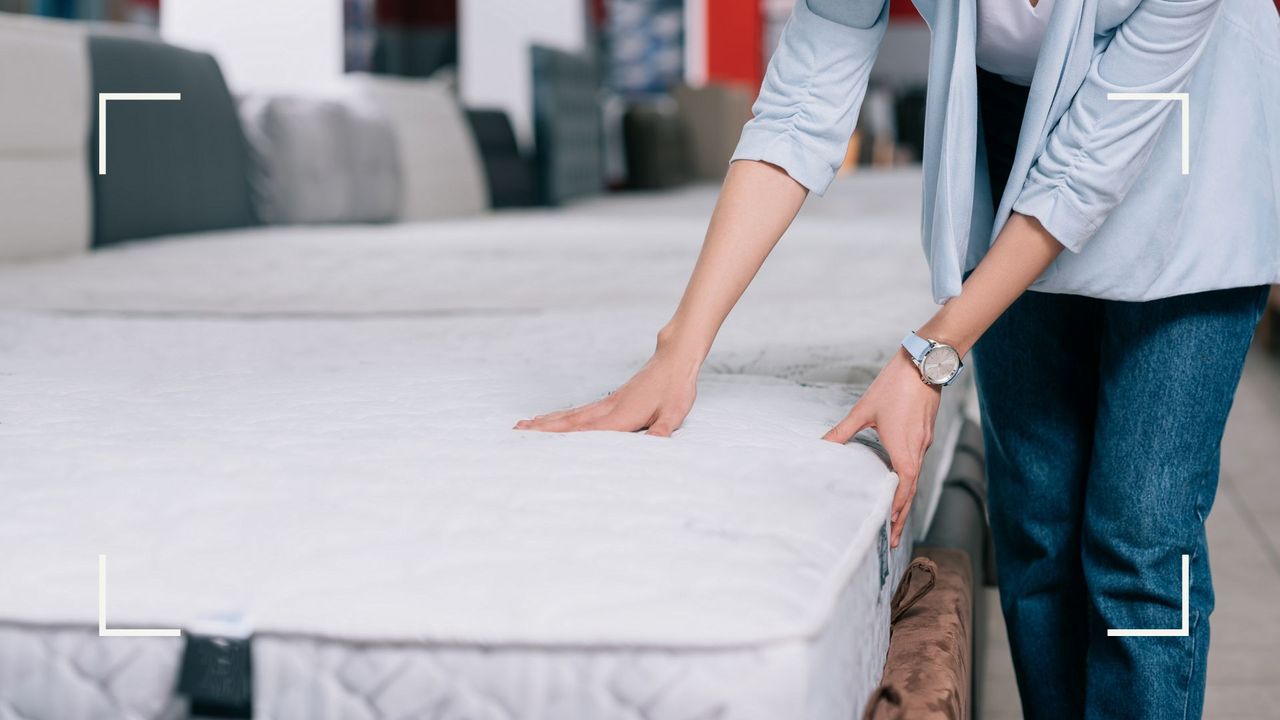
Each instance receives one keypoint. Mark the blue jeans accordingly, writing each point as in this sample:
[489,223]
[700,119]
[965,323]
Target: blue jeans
[1103,425]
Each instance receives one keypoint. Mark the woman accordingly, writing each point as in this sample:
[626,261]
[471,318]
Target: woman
[1106,372]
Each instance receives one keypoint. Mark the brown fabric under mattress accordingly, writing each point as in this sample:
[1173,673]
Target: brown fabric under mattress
[927,673]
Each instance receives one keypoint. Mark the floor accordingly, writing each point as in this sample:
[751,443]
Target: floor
[1244,542]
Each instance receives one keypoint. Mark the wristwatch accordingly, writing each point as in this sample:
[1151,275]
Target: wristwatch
[939,363]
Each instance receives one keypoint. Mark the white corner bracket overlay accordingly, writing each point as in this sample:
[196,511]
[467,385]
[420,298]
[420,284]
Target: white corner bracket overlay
[103,630]
[1183,631]
[1185,99]
[103,99]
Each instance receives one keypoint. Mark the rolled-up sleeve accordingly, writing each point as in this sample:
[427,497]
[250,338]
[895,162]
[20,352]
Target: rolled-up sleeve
[813,89]
[1099,148]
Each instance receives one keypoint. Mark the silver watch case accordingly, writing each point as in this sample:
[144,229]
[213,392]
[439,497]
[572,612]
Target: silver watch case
[936,347]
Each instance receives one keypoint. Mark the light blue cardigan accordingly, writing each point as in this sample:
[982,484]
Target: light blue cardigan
[1103,176]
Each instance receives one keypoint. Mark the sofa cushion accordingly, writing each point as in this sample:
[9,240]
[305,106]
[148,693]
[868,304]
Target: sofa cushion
[44,79]
[172,167]
[321,160]
[440,162]
[44,90]
[44,206]
[509,172]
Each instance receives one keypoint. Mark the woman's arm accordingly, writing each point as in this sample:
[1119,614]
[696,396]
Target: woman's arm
[756,205]
[1090,161]
[1100,146]
[794,143]
[1022,251]
[803,117]
[898,404]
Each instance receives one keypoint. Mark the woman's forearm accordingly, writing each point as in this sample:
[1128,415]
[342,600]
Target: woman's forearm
[903,409]
[1021,252]
[756,205]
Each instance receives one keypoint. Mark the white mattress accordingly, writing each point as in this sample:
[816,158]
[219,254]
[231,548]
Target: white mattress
[311,430]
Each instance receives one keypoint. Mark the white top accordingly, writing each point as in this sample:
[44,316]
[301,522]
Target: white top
[1009,37]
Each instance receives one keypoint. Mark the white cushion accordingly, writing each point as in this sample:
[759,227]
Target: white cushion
[45,203]
[321,160]
[44,85]
[439,159]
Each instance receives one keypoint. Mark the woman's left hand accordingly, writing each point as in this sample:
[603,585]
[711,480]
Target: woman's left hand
[902,409]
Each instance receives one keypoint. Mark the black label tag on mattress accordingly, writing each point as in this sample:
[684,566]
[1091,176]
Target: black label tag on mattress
[882,551]
[217,677]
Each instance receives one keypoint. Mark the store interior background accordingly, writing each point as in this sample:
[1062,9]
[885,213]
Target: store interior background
[676,78]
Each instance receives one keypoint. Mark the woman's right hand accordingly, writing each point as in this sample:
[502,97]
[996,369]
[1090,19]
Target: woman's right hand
[657,397]
[755,207]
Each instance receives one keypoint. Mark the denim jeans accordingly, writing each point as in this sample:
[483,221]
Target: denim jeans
[1103,424]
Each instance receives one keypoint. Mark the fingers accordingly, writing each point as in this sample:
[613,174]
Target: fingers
[902,499]
[603,415]
[566,420]
[664,425]
[851,425]
[906,457]
[525,424]
[901,523]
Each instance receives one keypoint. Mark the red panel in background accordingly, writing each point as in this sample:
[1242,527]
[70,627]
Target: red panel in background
[905,10]
[599,12]
[735,34]
[418,13]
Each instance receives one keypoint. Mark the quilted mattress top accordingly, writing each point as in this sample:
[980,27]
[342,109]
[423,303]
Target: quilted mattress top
[310,429]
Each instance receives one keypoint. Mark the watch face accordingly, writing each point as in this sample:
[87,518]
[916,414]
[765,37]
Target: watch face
[941,364]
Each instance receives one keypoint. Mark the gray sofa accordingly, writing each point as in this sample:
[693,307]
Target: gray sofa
[374,150]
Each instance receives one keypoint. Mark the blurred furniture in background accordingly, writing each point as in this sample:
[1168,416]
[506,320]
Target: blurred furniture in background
[178,166]
[372,149]
[45,203]
[657,151]
[909,112]
[322,160]
[440,162]
[603,118]
[726,45]
[713,117]
[567,126]
[876,131]
[494,61]
[510,173]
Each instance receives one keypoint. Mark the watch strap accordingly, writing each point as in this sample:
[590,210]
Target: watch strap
[916,346]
